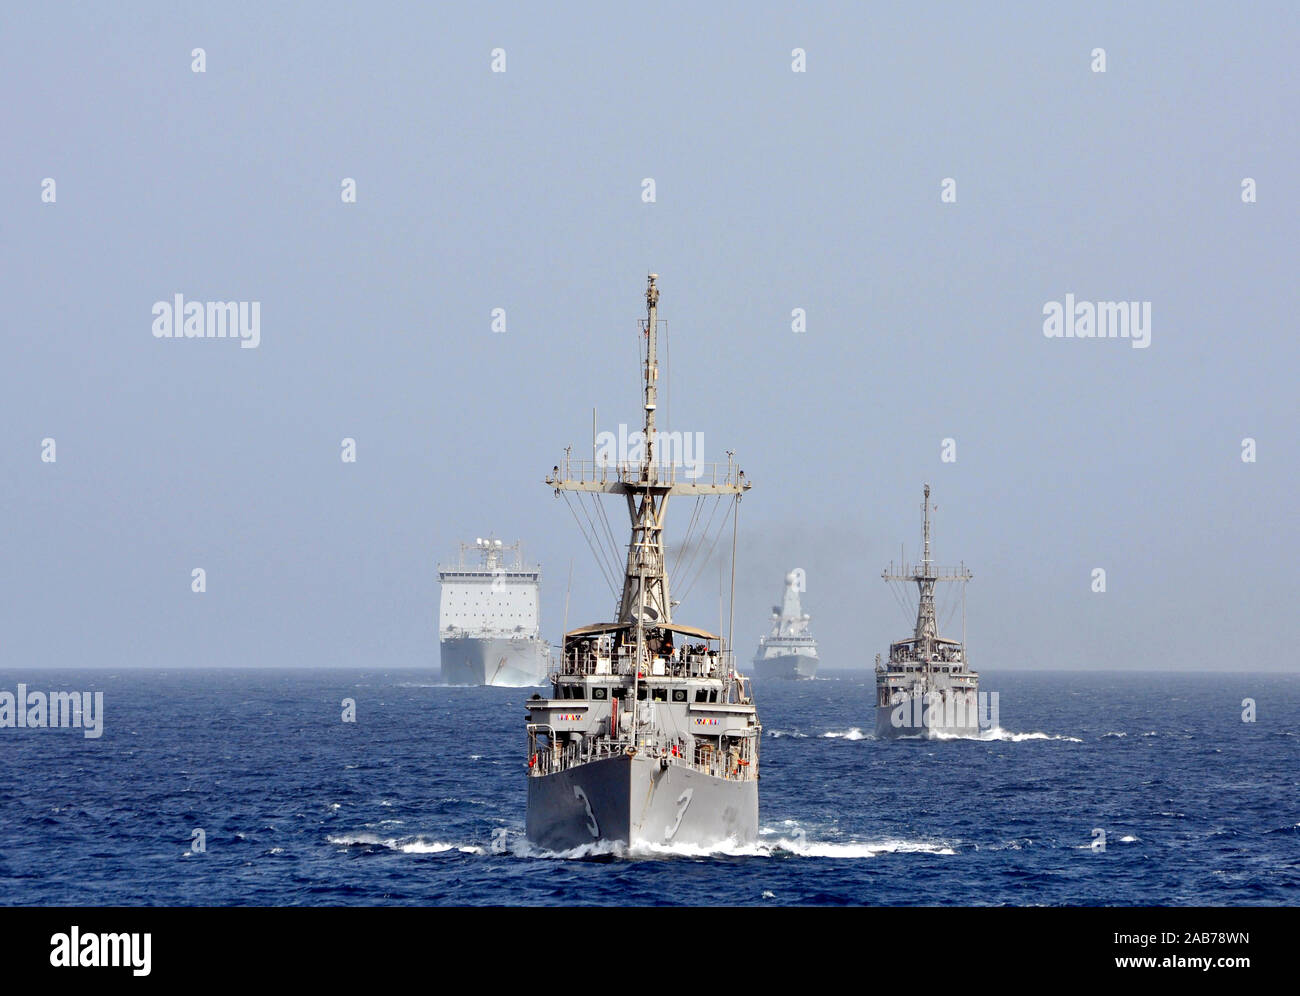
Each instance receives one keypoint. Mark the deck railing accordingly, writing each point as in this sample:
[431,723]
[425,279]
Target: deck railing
[739,762]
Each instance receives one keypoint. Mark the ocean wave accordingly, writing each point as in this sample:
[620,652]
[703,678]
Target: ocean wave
[850,734]
[1096,845]
[997,733]
[787,733]
[406,845]
[789,841]
[1016,844]
[796,846]
[1105,735]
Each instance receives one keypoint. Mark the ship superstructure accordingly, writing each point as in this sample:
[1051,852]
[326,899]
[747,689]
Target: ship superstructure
[488,623]
[789,650]
[650,736]
[926,688]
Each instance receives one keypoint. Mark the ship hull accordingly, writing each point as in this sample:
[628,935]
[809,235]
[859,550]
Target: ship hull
[789,666]
[924,716]
[485,661]
[637,801]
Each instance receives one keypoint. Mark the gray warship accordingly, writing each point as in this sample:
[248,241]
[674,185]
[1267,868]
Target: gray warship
[650,736]
[789,651]
[926,689]
[488,618]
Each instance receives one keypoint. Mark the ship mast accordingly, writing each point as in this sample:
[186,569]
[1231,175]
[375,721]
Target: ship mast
[926,575]
[646,487]
[645,584]
[926,627]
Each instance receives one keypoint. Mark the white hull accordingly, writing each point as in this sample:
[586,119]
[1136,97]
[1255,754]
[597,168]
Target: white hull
[498,662]
[790,666]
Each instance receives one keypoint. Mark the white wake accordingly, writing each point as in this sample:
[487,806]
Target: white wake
[795,845]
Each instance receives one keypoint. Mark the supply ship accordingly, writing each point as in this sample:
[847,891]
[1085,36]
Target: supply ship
[649,734]
[488,618]
[789,651]
[926,689]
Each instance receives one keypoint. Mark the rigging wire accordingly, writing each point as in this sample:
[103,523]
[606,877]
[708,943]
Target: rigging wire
[599,562]
[668,381]
[895,589]
[709,555]
[953,605]
[609,536]
[686,537]
[695,552]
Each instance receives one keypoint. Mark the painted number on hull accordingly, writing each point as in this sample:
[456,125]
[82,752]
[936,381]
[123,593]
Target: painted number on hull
[683,801]
[592,826]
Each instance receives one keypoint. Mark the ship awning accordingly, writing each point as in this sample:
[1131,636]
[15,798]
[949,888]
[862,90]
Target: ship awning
[597,628]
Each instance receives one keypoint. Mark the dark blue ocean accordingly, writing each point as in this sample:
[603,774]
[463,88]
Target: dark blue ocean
[404,805]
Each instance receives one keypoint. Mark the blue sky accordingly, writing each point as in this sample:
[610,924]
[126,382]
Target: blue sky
[521,190]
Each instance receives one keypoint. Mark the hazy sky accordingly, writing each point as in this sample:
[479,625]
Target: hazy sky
[522,190]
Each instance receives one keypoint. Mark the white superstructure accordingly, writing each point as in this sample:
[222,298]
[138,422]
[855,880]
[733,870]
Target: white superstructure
[789,651]
[489,618]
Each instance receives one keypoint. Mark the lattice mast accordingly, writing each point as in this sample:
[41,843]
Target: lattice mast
[646,487]
[926,575]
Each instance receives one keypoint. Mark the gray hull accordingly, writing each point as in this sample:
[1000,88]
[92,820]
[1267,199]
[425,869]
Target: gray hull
[920,718]
[786,666]
[638,801]
[507,663]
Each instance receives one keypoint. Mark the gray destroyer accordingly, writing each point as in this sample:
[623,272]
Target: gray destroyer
[488,618]
[926,689]
[789,651]
[649,736]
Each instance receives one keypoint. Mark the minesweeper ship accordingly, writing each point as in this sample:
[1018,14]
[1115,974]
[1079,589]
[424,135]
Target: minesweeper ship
[925,688]
[789,651]
[650,736]
[488,618]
